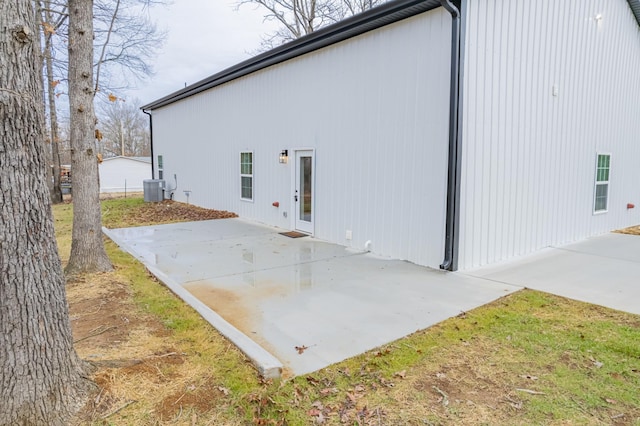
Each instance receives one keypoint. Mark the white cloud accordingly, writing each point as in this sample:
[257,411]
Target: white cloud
[204,37]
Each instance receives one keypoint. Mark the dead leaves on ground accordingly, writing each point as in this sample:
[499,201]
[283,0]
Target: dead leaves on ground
[346,406]
[327,404]
[167,211]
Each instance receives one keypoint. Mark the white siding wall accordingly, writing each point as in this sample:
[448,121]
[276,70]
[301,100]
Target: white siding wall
[529,157]
[374,108]
[118,174]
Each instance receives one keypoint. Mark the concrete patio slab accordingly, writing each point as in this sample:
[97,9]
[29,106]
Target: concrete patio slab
[257,286]
[603,270]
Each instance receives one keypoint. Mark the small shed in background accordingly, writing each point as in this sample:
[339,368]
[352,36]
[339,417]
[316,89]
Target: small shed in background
[124,174]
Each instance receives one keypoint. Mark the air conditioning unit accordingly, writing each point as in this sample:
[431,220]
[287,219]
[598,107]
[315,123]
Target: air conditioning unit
[153,190]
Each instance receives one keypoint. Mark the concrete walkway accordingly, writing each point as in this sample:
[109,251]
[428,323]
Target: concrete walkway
[270,294]
[603,270]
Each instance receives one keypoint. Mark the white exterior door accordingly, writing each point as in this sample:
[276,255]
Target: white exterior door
[304,196]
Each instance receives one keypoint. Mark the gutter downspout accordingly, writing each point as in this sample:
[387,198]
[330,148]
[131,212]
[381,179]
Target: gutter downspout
[151,142]
[450,262]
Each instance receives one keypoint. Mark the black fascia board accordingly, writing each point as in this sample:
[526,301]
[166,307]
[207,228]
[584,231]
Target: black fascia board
[353,26]
[635,8]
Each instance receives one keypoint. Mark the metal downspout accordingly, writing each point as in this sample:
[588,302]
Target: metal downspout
[450,261]
[151,142]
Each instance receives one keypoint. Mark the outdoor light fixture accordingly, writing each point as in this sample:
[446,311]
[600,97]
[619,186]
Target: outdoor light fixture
[284,155]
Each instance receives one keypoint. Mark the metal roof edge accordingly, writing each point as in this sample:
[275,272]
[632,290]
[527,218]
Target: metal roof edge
[387,13]
[146,160]
[635,8]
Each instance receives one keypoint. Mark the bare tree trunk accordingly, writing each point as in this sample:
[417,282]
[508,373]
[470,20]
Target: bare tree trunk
[41,377]
[56,191]
[87,247]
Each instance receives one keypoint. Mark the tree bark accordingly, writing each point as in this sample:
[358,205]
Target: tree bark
[41,377]
[87,246]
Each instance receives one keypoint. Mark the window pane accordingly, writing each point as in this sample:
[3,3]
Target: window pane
[602,190]
[246,188]
[160,161]
[246,163]
[602,170]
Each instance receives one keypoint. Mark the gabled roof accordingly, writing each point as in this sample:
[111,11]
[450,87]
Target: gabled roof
[139,159]
[377,17]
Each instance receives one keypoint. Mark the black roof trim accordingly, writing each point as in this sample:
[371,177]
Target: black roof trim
[635,8]
[377,17]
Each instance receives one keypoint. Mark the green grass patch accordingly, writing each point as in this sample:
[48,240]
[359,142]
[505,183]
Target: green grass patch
[119,212]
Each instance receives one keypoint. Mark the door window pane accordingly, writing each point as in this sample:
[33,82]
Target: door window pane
[306,189]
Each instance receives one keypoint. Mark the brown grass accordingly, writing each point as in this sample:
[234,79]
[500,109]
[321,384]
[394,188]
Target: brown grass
[158,363]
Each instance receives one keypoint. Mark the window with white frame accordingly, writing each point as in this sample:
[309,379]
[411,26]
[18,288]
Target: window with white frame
[160,167]
[246,176]
[601,191]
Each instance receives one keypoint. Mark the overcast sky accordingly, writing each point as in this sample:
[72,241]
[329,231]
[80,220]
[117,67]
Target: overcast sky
[204,37]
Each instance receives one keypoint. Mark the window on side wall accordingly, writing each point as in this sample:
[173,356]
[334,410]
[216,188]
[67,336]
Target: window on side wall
[160,167]
[601,191]
[246,176]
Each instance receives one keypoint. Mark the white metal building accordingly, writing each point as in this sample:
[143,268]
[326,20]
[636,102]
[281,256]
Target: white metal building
[449,134]
[124,174]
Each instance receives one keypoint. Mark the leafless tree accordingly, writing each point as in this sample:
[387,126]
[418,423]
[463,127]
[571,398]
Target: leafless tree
[41,377]
[301,17]
[123,40]
[87,247]
[353,7]
[52,19]
[124,43]
[124,129]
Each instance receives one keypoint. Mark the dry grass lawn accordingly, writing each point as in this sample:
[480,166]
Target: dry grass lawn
[528,358]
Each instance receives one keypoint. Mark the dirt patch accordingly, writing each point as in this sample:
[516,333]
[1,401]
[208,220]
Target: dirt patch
[103,315]
[123,345]
[193,397]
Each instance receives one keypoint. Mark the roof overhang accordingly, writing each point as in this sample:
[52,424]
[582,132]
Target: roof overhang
[377,17]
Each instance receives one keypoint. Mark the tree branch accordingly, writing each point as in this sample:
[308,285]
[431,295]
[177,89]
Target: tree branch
[106,43]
